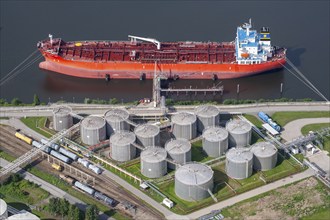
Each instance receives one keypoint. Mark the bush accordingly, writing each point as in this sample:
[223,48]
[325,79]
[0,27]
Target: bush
[16,102]
[87,101]
[113,101]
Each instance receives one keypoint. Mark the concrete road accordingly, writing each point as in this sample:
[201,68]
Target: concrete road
[252,193]
[53,190]
[101,109]
[292,130]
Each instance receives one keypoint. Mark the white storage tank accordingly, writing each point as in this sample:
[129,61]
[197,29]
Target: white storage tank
[116,120]
[239,133]
[92,130]
[3,210]
[23,215]
[184,125]
[207,116]
[62,118]
[215,141]
[147,135]
[153,162]
[122,148]
[264,156]
[193,181]
[178,150]
[239,162]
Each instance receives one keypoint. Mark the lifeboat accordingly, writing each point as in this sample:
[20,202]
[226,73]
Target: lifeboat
[245,55]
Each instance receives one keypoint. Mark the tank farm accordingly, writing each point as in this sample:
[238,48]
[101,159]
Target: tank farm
[193,151]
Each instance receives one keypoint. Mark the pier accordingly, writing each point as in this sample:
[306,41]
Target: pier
[215,89]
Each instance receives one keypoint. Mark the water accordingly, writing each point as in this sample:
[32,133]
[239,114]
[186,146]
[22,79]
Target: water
[301,26]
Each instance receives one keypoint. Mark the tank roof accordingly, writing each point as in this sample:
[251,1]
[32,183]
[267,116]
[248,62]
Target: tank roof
[93,122]
[23,215]
[3,207]
[122,138]
[153,154]
[146,130]
[239,155]
[207,111]
[238,126]
[62,110]
[177,146]
[117,114]
[194,174]
[263,149]
[184,118]
[215,134]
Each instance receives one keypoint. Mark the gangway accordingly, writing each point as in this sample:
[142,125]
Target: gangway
[34,152]
[131,123]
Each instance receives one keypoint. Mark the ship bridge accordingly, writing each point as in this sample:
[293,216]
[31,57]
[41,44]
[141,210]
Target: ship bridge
[251,47]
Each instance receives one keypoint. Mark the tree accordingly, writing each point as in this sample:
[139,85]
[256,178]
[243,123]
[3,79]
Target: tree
[3,101]
[92,212]
[113,101]
[36,100]
[87,101]
[64,207]
[16,101]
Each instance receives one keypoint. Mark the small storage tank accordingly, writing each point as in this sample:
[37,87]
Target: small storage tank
[147,135]
[122,148]
[239,163]
[193,181]
[3,210]
[116,120]
[239,133]
[215,141]
[92,130]
[178,150]
[184,125]
[207,116]
[264,156]
[153,162]
[62,119]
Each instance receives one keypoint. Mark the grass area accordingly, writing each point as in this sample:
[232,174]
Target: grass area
[254,120]
[23,194]
[305,199]
[6,156]
[282,118]
[197,152]
[37,124]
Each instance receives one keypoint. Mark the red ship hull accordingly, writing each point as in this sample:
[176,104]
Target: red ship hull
[135,70]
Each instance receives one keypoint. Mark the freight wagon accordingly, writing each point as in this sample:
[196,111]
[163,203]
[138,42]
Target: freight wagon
[52,145]
[57,167]
[67,179]
[23,138]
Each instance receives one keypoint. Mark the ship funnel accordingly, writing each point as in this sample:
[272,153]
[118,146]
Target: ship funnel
[50,38]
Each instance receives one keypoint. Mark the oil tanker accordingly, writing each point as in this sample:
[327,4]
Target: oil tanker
[141,58]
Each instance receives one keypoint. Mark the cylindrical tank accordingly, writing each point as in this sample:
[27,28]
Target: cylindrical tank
[215,141]
[116,120]
[153,162]
[193,181]
[239,133]
[92,130]
[62,119]
[184,125]
[84,188]
[3,210]
[147,135]
[60,156]
[94,168]
[23,215]
[68,153]
[122,148]
[264,156]
[239,163]
[83,162]
[178,150]
[207,115]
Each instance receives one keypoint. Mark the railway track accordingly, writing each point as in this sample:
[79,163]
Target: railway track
[104,184]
